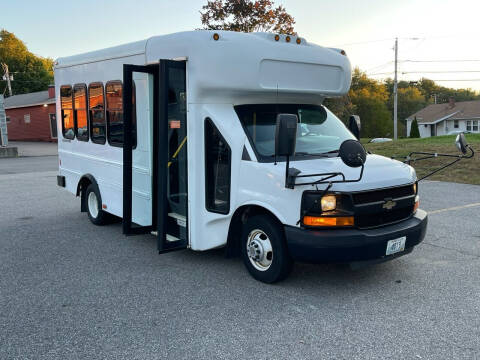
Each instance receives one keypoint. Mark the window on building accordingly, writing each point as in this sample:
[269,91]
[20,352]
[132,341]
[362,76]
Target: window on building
[455,124]
[80,111]
[469,125]
[7,119]
[218,158]
[26,118]
[98,130]
[67,112]
[475,126]
[53,125]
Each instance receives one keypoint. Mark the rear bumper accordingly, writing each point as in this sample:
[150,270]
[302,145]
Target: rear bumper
[354,245]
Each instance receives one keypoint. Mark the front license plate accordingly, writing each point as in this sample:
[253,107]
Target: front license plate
[396,245]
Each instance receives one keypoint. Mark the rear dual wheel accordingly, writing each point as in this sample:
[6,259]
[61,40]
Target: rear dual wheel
[94,206]
[264,249]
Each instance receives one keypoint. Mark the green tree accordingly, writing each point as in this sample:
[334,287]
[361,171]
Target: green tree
[246,16]
[369,98]
[414,132]
[410,100]
[30,72]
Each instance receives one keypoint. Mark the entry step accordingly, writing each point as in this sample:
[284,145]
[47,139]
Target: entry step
[181,220]
[172,238]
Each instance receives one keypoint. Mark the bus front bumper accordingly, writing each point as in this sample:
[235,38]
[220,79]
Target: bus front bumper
[354,245]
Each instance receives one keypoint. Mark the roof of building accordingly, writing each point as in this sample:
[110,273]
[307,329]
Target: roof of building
[456,111]
[30,99]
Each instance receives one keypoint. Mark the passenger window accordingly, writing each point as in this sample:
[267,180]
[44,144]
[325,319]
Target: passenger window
[67,112]
[114,113]
[80,111]
[96,106]
[217,170]
[114,93]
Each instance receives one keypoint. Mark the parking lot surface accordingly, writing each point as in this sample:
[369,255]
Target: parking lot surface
[71,290]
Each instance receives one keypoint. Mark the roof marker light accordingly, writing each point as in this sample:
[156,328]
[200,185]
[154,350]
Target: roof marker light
[343,52]
[299,41]
[216,37]
[277,37]
[287,39]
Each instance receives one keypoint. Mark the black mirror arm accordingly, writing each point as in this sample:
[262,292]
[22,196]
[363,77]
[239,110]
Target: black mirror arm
[435,155]
[324,180]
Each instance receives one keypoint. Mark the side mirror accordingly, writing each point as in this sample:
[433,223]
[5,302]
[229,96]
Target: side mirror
[461,143]
[354,125]
[352,153]
[286,134]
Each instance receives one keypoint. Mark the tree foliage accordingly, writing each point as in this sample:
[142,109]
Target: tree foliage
[370,97]
[246,16]
[414,132]
[30,72]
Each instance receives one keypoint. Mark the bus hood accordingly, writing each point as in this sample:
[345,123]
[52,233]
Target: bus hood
[379,172]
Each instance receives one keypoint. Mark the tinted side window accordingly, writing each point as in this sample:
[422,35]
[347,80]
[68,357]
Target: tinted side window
[98,130]
[218,159]
[67,112]
[114,95]
[80,111]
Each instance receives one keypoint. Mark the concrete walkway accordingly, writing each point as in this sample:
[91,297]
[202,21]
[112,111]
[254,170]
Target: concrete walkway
[31,148]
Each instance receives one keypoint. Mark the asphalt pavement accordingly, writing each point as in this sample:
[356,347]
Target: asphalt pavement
[72,290]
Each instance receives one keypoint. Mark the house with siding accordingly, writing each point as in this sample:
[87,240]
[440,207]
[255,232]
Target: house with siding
[31,117]
[447,118]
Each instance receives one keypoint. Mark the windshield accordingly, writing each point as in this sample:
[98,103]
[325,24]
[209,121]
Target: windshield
[319,131]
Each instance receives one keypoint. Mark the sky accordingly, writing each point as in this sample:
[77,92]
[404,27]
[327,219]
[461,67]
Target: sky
[427,30]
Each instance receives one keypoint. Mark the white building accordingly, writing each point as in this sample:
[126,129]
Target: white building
[447,118]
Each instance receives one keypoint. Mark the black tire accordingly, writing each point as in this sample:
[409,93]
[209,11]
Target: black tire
[101,217]
[281,261]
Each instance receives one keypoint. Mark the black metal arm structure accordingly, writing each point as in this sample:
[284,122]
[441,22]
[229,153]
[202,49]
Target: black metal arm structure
[425,155]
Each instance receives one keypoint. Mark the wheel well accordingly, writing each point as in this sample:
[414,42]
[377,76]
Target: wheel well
[239,218]
[82,186]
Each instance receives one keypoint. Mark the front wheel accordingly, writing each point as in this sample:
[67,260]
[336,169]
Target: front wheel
[264,250]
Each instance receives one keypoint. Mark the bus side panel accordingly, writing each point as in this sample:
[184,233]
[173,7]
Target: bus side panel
[104,161]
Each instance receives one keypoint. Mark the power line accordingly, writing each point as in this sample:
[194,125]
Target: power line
[378,67]
[384,73]
[430,61]
[441,72]
[366,42]
[454,79]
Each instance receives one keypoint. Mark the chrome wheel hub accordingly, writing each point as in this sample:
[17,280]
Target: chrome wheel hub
[259,250]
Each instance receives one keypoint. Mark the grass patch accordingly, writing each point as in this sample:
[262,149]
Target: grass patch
[466,171]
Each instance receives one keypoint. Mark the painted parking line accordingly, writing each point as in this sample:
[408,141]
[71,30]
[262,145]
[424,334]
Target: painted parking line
[454,208]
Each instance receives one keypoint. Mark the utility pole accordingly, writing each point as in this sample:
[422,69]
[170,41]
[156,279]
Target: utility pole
[395,93]
[7,78]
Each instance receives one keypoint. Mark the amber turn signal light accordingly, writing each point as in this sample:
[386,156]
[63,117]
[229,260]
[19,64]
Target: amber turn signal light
[417,203]
[328,221]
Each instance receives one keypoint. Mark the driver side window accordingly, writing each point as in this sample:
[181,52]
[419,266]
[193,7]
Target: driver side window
[218,160]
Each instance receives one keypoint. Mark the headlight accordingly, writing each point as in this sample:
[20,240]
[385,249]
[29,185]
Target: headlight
[415,188]
[329,202]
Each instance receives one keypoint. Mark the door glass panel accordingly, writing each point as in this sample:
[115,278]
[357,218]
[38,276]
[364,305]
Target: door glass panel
[177,154]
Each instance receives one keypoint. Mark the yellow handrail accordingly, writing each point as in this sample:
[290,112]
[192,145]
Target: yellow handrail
[178,150]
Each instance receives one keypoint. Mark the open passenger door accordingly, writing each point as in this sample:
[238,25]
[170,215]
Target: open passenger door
[169,191]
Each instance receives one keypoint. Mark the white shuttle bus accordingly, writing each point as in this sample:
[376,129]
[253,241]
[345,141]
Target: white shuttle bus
[211,139]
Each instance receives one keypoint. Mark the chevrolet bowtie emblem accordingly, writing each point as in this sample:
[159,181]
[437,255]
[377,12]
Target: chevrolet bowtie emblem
[389,204]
